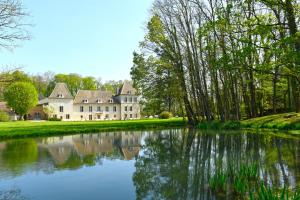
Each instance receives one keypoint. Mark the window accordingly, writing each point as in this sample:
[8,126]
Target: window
[107,109]
[115,108]
[98,101]
[81,116]
[115,116]
[85,101]
[98,108]
[106,116]
[90,117]
[110,101]
[60,95]
[37,116]
[125,99]
[55,116]
[130,116]
[136,115]
[98,117]
[61,117]
[130,99]
[130,108]
[125,108]
[67,116]
[135,99]
[125,116]
[81,108]
[91,108]
[61,109]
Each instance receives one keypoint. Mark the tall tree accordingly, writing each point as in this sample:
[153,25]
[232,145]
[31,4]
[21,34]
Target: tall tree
[231,59]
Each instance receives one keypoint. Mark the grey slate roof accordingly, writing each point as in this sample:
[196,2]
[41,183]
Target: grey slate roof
[93,95]
[127,88]
[61,89]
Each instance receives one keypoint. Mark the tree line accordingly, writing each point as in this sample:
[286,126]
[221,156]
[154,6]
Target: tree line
[45,83]
[220,59]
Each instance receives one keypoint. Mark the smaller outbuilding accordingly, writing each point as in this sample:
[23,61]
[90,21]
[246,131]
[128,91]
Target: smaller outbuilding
[5,108]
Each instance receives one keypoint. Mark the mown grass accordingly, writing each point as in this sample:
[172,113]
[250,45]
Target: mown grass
[286,121]
[22,129]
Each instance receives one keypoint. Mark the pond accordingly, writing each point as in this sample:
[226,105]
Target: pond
[160,164]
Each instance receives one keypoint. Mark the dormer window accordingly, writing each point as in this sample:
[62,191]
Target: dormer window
[110,101]
[129,92]
[60,95]
[98,101]
[85,101]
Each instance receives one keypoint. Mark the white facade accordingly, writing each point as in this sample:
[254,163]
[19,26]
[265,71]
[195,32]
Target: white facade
[92,104]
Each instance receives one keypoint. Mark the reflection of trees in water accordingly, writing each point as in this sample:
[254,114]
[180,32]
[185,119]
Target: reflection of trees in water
[68,152]
[179,164]
[18,154]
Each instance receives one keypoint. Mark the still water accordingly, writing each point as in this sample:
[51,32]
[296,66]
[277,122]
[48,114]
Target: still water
[165,164]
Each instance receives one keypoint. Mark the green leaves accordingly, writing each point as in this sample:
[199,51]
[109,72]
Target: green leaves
[156,30]
[21,96]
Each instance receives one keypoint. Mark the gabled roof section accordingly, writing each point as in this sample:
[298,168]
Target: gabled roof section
[93,96]
[127,88]
[61,91]
[130,152]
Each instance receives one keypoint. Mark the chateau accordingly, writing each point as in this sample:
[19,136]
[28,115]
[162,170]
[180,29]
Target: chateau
[90,104]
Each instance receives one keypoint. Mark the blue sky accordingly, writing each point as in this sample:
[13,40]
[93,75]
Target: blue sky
[91,37]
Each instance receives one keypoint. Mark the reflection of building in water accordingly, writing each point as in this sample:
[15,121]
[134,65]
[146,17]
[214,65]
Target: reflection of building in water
[130,144]
[126,144]
[59,148]
[2,145]
[93,144]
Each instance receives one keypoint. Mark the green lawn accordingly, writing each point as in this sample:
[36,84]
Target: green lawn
[285,121]
[47,128]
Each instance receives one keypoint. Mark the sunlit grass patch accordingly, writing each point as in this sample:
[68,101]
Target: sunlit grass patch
[286,121]
[46,128]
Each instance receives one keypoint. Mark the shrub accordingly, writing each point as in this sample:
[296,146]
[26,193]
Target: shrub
[165,115]
[4,117]
[232,125]
[54,119]
[217,125]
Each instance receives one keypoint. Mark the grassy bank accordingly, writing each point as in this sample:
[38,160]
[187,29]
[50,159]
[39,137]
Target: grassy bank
[46,128]
[286,121]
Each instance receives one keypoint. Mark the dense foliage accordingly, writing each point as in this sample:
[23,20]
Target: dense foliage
[44,83]
[219,59]
[21,97]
